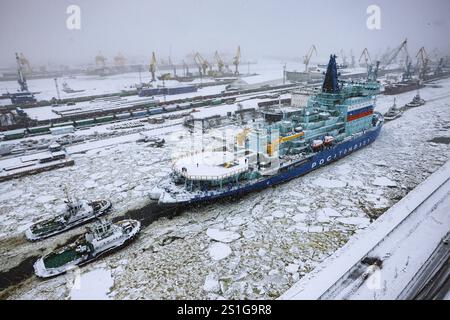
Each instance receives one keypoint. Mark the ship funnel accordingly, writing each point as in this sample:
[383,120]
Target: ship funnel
[330,83]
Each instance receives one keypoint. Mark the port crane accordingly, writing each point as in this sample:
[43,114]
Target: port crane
[152,67]
[220,63]
[344,58]
[439,66]
[352,59]
[119,60]
[395,53]
[22,81]
[237,60]
[422,61]
[25,63]
[202,63]
[100,60]
[186,69]
[407,75]
[308,56]
[367,59]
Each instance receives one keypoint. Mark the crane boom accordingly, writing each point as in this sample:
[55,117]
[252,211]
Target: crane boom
[395,53]
[152,67]
[220,63]
[307,58]
[366,56]
[202,63]
[21,80]
[237,60]
[25,63]
[422,60]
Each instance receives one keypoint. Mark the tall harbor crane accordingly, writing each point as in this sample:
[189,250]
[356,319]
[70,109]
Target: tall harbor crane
[367,59]
[21,80]
[202,63]
[439,66]
[394,54]
[307,58]
[173,66]
[422,61]
[119,60]
[407,74]
[220,63]
[100,60]
[237,60]
[352,59]
[344,58]
[152,67]
[185,68]
[25,63]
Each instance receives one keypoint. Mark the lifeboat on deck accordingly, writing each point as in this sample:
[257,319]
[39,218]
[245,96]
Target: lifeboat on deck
[317,145]
[328,140]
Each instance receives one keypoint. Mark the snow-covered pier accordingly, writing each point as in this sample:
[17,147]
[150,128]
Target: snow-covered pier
[394,257]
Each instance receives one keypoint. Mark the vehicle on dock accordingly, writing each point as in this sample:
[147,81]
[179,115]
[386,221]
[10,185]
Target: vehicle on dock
[394,112]
[102,238]
[76,213]
[322,126]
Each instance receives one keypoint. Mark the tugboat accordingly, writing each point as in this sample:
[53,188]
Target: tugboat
[393,113]
[417,101]
[103,237]
[76,213]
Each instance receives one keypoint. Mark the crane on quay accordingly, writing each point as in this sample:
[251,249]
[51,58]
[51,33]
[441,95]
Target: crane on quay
[152,67]
[237,60]
[308,56]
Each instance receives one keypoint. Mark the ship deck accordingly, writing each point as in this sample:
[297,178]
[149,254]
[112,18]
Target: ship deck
[211,165]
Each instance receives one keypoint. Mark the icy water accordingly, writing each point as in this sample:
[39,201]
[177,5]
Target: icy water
[254,247]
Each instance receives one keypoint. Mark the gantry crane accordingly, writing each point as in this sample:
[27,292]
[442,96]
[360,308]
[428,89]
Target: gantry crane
[237,60]
[352,59]
[439,66]
[21,80]
[25,63]
[366,56]
[119,60]
[152,67]
[422,61]
[344,58]
[307,58]
[220,63]
[407,74]
[403,46]
[100,60]
[185,69]
[202,63]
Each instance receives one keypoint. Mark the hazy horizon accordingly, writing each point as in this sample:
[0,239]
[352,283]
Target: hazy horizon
[263,29]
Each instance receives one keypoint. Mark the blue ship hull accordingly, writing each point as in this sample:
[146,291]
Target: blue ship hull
[295,170]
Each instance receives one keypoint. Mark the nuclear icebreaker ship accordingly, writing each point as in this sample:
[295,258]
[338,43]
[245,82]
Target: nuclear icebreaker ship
[318,128]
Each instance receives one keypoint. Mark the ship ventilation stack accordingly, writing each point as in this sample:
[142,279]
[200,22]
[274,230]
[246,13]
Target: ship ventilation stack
[330,84]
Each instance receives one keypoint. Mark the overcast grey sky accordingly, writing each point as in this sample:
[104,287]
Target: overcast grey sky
[263,28]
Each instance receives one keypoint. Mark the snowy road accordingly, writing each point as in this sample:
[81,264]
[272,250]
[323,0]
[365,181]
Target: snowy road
[256,247]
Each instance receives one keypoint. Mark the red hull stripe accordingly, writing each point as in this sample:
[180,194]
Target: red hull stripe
[359,115]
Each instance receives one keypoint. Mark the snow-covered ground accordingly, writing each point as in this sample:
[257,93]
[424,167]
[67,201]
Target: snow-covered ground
[95,85]
[403,239]
[256,247]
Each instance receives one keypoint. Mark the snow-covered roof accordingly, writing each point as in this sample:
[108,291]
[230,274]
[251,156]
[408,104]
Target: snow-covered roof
[212,165]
